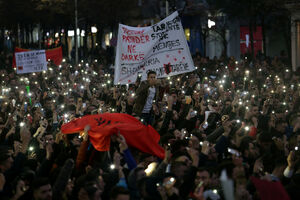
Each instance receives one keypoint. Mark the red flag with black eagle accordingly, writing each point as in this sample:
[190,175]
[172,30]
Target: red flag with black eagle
[144,138]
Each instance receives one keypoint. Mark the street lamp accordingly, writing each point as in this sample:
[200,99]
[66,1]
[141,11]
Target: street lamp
[82,33]
[94,29]
[76,26]
[210,23]
[71,33]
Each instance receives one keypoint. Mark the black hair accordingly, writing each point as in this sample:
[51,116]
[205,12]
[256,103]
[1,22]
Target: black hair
[178,154]
[265,137]
[210,170]
[90,188]
[39,182]
[173,91]
[164,139]
[245,143]
[4,153]
[254,105]
[48,99]
[71,108]
[115,191]
[177,146]
[150,72]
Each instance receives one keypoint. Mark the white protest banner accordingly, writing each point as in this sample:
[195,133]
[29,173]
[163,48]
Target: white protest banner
[161,48]
[31,61]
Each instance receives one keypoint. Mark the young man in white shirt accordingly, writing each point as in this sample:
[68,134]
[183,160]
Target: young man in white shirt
[147,94]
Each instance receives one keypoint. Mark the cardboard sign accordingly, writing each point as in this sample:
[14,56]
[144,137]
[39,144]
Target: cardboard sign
[31,61]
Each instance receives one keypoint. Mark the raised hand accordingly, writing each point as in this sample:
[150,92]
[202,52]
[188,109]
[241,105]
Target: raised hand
[198,193]
[122,142]
[194,155]
[85,135]
[227,125]
[117,160]
[170,101]
[167,155]
[205,148]
[291,159]
[2,181]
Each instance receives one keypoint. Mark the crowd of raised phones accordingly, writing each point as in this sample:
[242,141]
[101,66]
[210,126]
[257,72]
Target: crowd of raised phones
[230,130]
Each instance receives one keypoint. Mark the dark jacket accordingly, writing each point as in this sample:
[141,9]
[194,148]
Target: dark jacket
[141,97]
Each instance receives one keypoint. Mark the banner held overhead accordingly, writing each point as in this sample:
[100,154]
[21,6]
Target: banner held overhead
[161,48]
[55,55]
[31,61]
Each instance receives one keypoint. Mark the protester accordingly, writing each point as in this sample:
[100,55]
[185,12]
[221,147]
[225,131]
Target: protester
[226,122]
[147,93]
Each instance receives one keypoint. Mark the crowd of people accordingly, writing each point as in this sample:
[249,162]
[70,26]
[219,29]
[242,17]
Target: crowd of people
[230,130]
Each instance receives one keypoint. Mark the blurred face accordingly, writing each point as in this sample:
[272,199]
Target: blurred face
[130,100]
[1,120]
[227,104]
[171,125]
[122,197]
[196,96]
[101,182]
[6,165]
[79,101]
[291,105]
[177,134]
[220,106]
[238,171]
[49,139]
[281,127]
[140,174]
[90,109]
[83,194]
[193,78]
[202,176]
[71,101]
[194,142]
[253,151]
[184,159]
[179,171]
[213,155]
[69,187]
[255,111]
[174,97]
[43,193]
[151,79]
[76,141]
[48,104]
[175,115]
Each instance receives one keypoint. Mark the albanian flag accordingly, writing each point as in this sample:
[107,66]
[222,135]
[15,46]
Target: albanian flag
[144,138]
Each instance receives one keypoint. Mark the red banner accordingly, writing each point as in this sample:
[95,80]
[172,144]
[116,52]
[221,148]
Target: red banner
[269,190]
[51,54]
[137,135]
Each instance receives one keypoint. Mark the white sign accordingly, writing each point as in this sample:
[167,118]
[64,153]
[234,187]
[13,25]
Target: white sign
[31,61]
[161,48]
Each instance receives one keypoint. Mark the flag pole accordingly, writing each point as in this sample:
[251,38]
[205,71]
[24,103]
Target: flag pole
[75,33]
[167,8]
